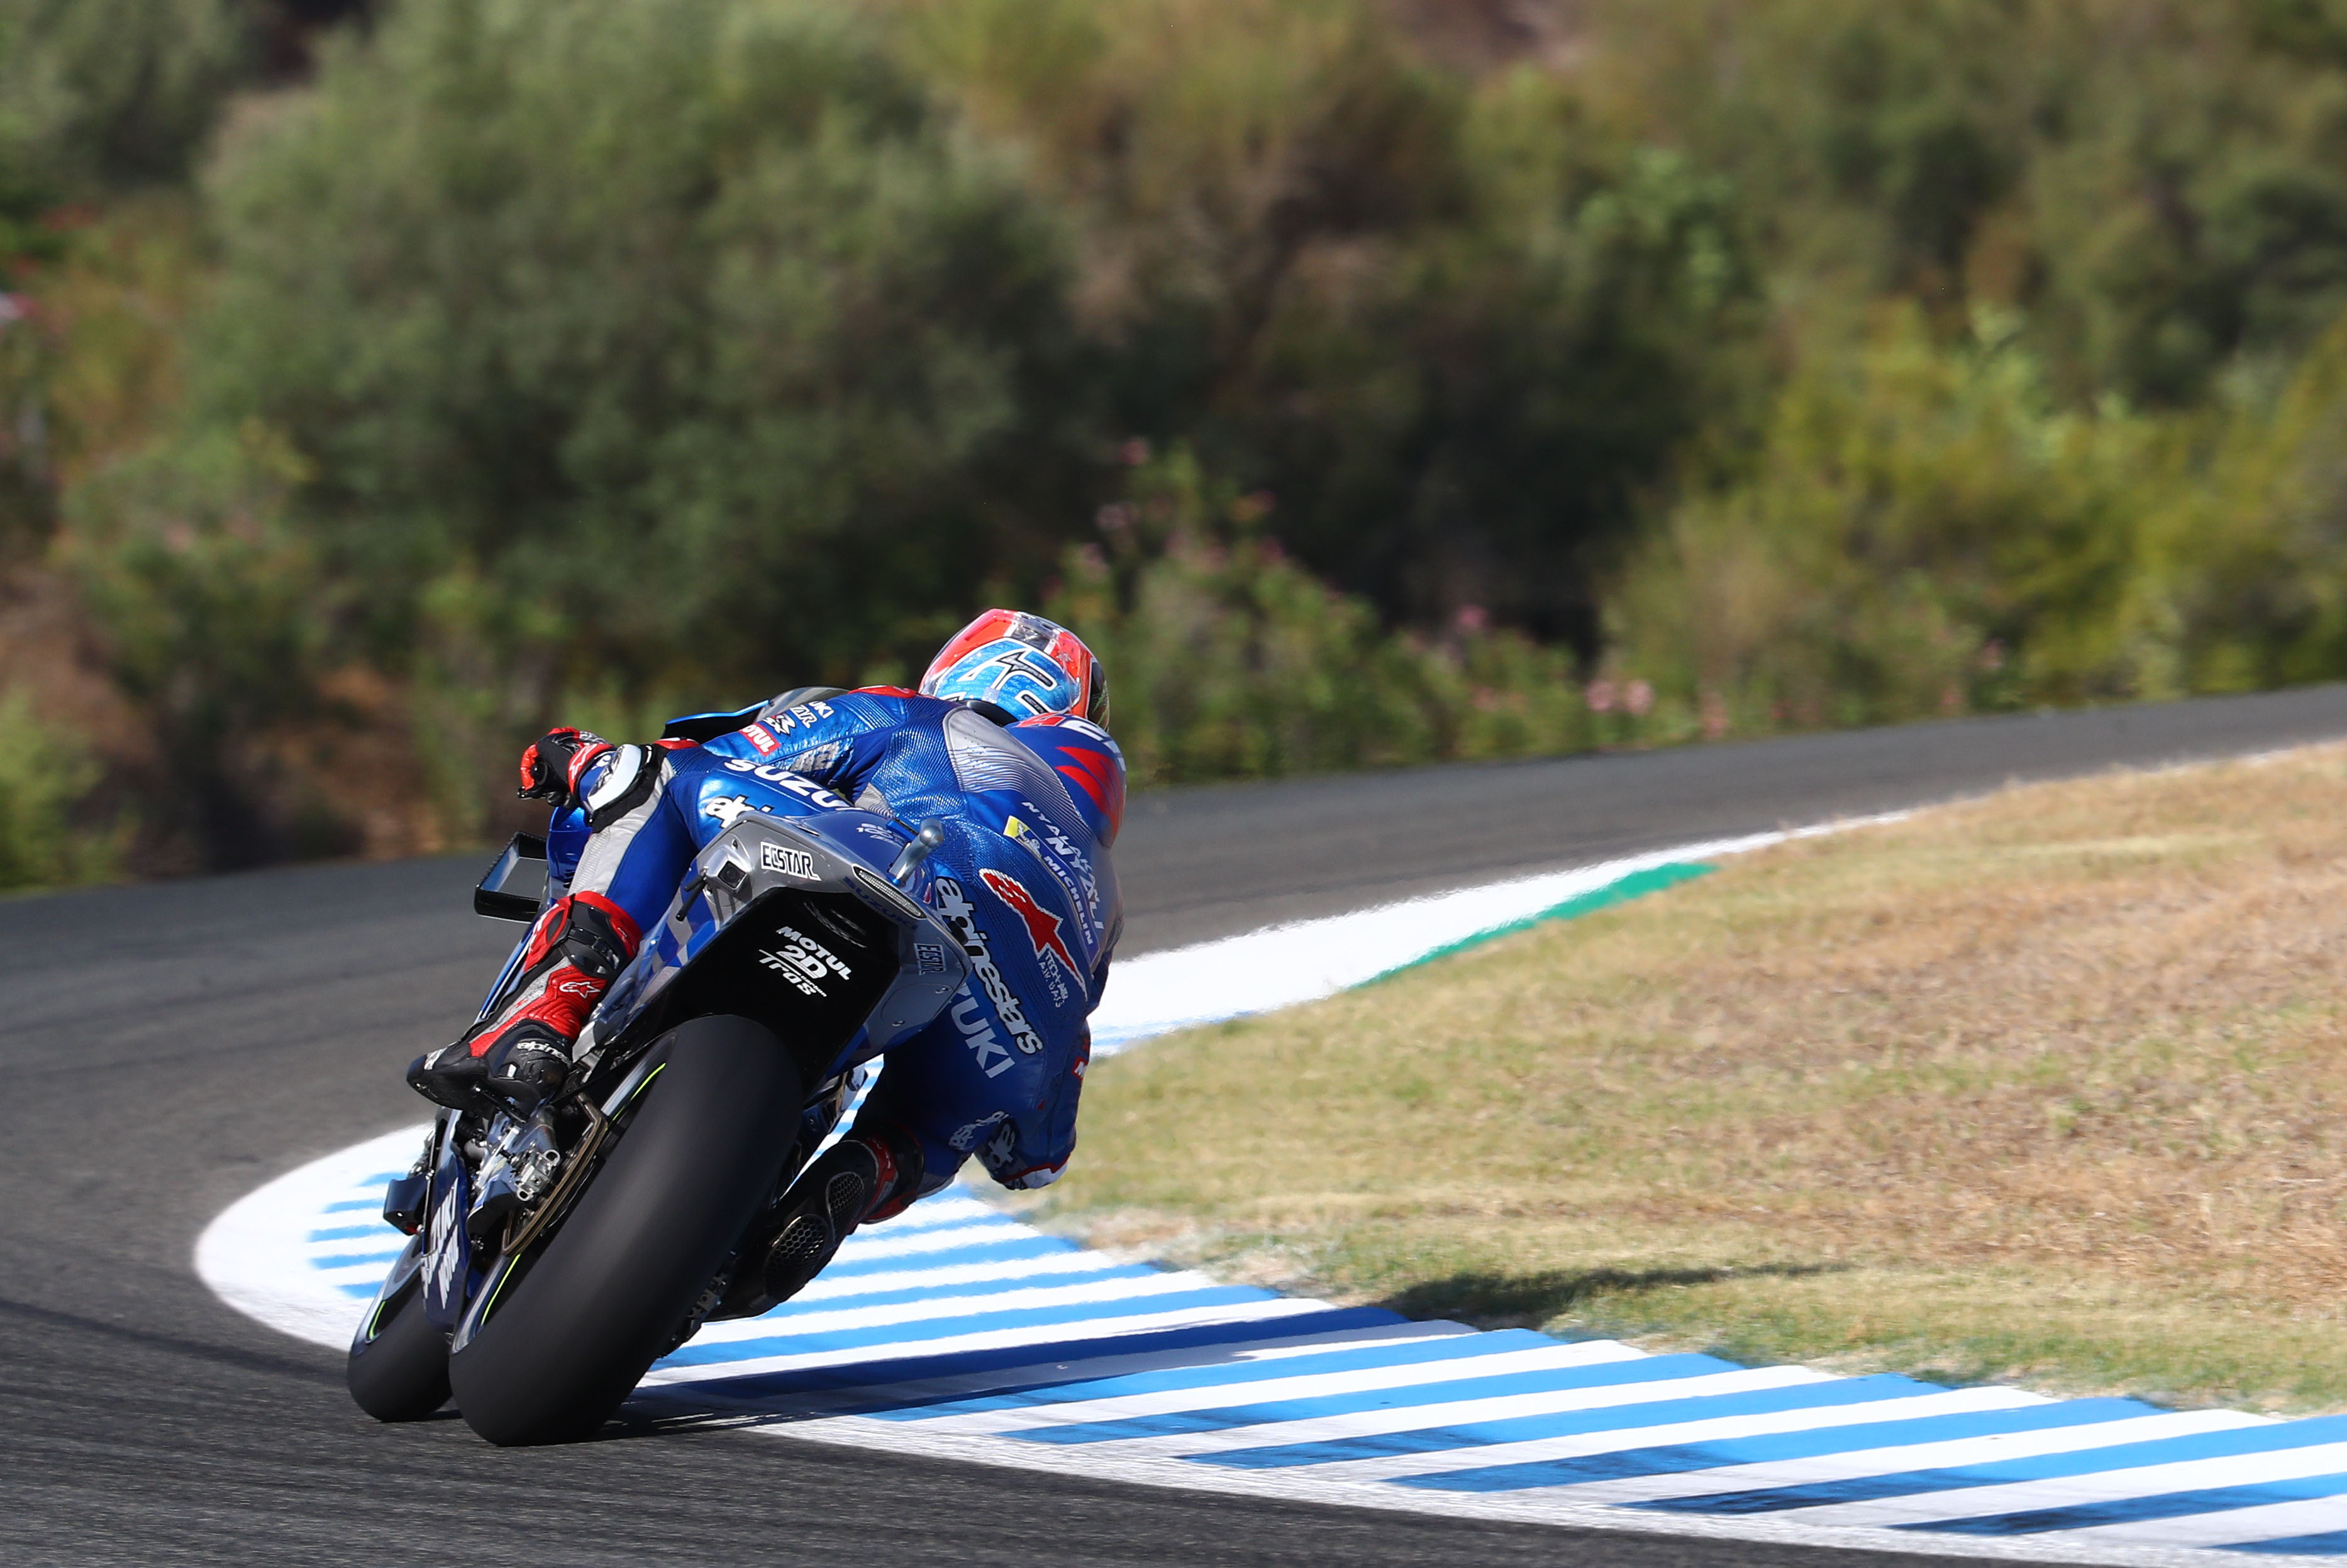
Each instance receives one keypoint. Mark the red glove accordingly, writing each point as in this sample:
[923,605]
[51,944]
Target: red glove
[552,767]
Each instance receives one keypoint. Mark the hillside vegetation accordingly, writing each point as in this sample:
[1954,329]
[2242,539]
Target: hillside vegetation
[1374,382]
[2044,1088]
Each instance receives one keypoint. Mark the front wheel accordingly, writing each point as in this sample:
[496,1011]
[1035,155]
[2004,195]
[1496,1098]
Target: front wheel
[575,1331]
[398,1368]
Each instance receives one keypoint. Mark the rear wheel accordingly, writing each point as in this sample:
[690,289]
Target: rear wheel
[551,1354]
[398,1368]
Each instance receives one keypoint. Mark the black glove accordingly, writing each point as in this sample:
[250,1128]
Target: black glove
[552,765]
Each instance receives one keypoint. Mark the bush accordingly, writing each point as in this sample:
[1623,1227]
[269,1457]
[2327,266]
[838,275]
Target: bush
[102,95]
[1924,531]
[1226,659]
[45,776]
[217,624]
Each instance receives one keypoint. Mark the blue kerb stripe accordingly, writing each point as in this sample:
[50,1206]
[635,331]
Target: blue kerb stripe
[985,1219]
[2263,1439]
[1010,1249]
[2328,1544]
[347,1204]
[1774,1448]
[1051,1360]
[1603,1374]
[912,1293]
[362,1292]
[352,1259]
[1576,1423]
[1335,1359]
[2137,1510]
[946,1328]
[349,1233]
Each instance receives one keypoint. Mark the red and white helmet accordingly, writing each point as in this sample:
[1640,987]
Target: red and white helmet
[1021,664]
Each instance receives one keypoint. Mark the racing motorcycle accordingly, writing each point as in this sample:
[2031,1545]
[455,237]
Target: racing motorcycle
[553,1257]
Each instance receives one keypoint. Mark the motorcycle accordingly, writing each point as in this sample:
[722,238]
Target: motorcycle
[553,1257]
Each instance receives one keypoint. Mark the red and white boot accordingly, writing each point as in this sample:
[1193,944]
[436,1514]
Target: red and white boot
[520,1053]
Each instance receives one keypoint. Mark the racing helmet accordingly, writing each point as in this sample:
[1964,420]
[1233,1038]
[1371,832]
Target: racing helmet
[1023,665]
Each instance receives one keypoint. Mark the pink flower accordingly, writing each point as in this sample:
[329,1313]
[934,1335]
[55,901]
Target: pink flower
[1639,698]
[1600,696]
[1471,619]
[1714,715]
[1134,452]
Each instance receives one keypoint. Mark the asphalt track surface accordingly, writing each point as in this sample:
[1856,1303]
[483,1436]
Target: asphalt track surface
[168,1048]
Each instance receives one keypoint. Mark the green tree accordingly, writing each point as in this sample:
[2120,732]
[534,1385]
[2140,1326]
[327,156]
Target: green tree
[100,95]
[1451,322]
[668,342]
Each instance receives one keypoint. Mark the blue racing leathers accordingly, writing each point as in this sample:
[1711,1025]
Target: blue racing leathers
[1022,878]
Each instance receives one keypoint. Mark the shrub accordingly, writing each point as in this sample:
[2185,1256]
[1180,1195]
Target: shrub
[1226,659]
[45,775]
[216,622]
[1924,531]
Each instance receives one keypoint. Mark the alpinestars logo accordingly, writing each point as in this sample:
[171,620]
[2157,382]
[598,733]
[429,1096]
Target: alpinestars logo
[1042,929]
[960,917]
[726,810]
[1071,867]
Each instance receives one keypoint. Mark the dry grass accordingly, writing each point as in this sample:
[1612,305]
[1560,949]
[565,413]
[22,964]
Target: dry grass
[2044,1086]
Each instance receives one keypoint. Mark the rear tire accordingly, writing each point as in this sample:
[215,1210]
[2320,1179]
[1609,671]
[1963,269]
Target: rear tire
[603,1299]
[400,1372]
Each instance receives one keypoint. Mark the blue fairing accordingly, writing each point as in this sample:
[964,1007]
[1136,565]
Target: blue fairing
[1022,877]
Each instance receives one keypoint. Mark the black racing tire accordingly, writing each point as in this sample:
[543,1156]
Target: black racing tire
[607,1295]
[399,1369]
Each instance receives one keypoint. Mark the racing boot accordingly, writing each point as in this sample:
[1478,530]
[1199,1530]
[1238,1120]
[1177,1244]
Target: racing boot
[518,1055]
[871,1175]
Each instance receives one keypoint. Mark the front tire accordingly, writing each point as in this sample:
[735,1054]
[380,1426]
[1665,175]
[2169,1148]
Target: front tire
[579,1328]
[399,1369]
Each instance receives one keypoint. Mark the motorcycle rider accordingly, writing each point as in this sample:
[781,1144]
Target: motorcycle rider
[1002,745]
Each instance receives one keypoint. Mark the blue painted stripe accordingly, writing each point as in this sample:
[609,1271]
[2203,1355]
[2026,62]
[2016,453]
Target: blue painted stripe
[2328,1544]
[347,1204]
[1576,1423]
[1217,1374]
[349,1233]
[905,1294]
[947,1327]
[1554,1379]
[981,1220]
[2139,1510]
[360,1292]
[1049,1361]
[352,1259]
[1010,1249]
[1771,1449]
[2045,1467]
